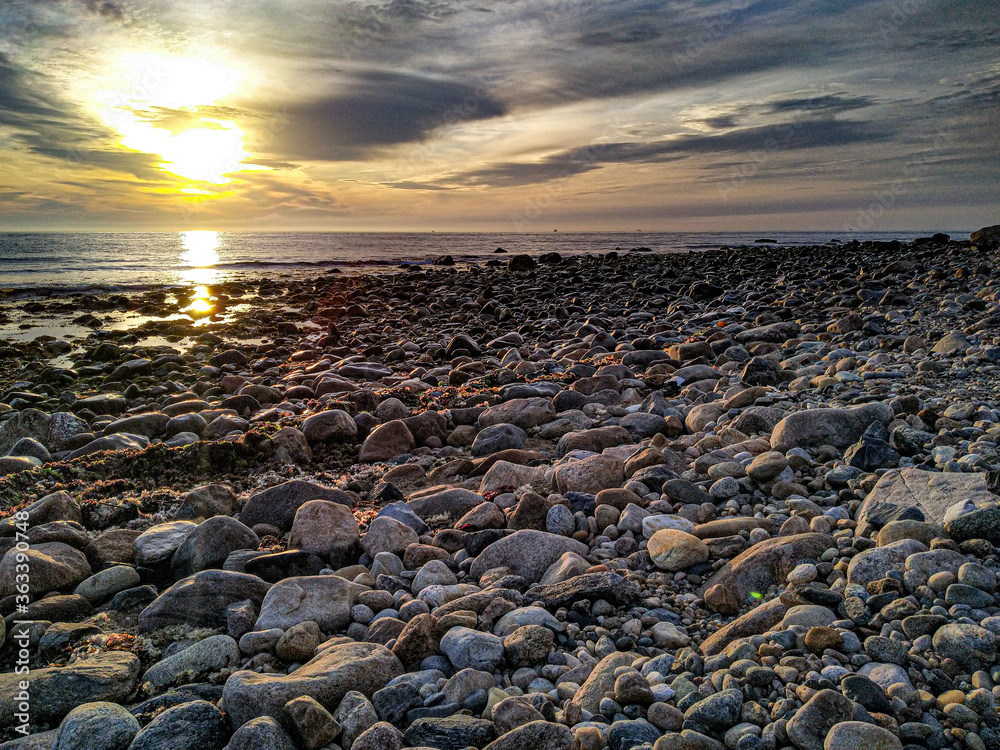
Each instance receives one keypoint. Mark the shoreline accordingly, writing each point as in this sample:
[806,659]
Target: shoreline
[657,483]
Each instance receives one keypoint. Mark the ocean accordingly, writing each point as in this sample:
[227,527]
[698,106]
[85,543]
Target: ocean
[134,260]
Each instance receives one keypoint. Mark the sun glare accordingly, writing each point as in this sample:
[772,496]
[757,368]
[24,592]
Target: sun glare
[158,106]
[200,251]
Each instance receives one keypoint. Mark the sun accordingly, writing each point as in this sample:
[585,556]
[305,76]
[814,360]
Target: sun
[168,106]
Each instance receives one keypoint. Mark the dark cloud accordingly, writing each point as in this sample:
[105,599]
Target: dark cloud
[48,127]
[624,34]
[368,111]
[774,139]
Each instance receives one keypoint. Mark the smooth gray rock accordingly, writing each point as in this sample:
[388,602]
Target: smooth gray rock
[97,726]
[365,667]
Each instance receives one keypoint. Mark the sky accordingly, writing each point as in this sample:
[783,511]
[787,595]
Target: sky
[499,115]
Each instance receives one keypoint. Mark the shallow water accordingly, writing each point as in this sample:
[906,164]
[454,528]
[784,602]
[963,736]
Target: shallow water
[77,261]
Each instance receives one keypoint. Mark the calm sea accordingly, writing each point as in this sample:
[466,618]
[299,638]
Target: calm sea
[130,260]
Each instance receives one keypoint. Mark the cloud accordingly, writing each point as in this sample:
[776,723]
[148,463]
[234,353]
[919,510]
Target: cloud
[784,137]
[367,111]
[46,126]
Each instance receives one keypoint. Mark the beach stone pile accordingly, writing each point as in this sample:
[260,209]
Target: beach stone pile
[743,500]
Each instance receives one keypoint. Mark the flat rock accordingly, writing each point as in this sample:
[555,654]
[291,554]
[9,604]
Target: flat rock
[605,585]
[930,491]
[365,667]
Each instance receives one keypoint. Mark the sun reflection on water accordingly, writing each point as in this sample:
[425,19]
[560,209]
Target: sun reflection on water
[200,254]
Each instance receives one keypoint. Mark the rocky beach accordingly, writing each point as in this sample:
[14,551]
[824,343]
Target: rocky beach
[741,499]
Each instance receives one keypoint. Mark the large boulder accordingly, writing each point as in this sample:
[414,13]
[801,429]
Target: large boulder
[201,600]
[452,502]
[764,565]
[812,428]
[527,553]
[97,726]
[277,505]
[210,544]
[51,430]
[873,564]
[931,492]
[51,566]
[326,600]
[365,667]
[324,528]
[194,663]
[55,691]
[387,441]
[333,426]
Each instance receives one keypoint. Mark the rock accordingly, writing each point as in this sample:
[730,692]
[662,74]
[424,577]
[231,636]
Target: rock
[195,724]
[51,566]
[314,725]
[498,437]
[971,646]
[952,343]
[277,505]
[193,664]
[837,427]
[107,583]
[465,647]
[326,600]
[535,735]
[96,726]
[51,430]
[386,534]
[201,600]
[57,506]
[333,426]
[450,502]
[718,711]
[810,725]
[522,412]
[763,565]
[299,642]
[673,550]
[450,733]
[860,735]
[874,563]
[210,543]
[527,553]
[767,466]
[158,543]
[931,492]
[756,621]
[55,691]
[326,529]
[386,442]
[205,502]
[365,667]
[590,475]
[528,645]
[379,736]
[417,640]
[606,585]
[262,733]
[967,521]
[601,681]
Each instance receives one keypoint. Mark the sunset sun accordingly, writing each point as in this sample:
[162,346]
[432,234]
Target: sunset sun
[169,107]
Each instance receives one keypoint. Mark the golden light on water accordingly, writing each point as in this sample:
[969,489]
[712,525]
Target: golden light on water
[200,252]
[164,106]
